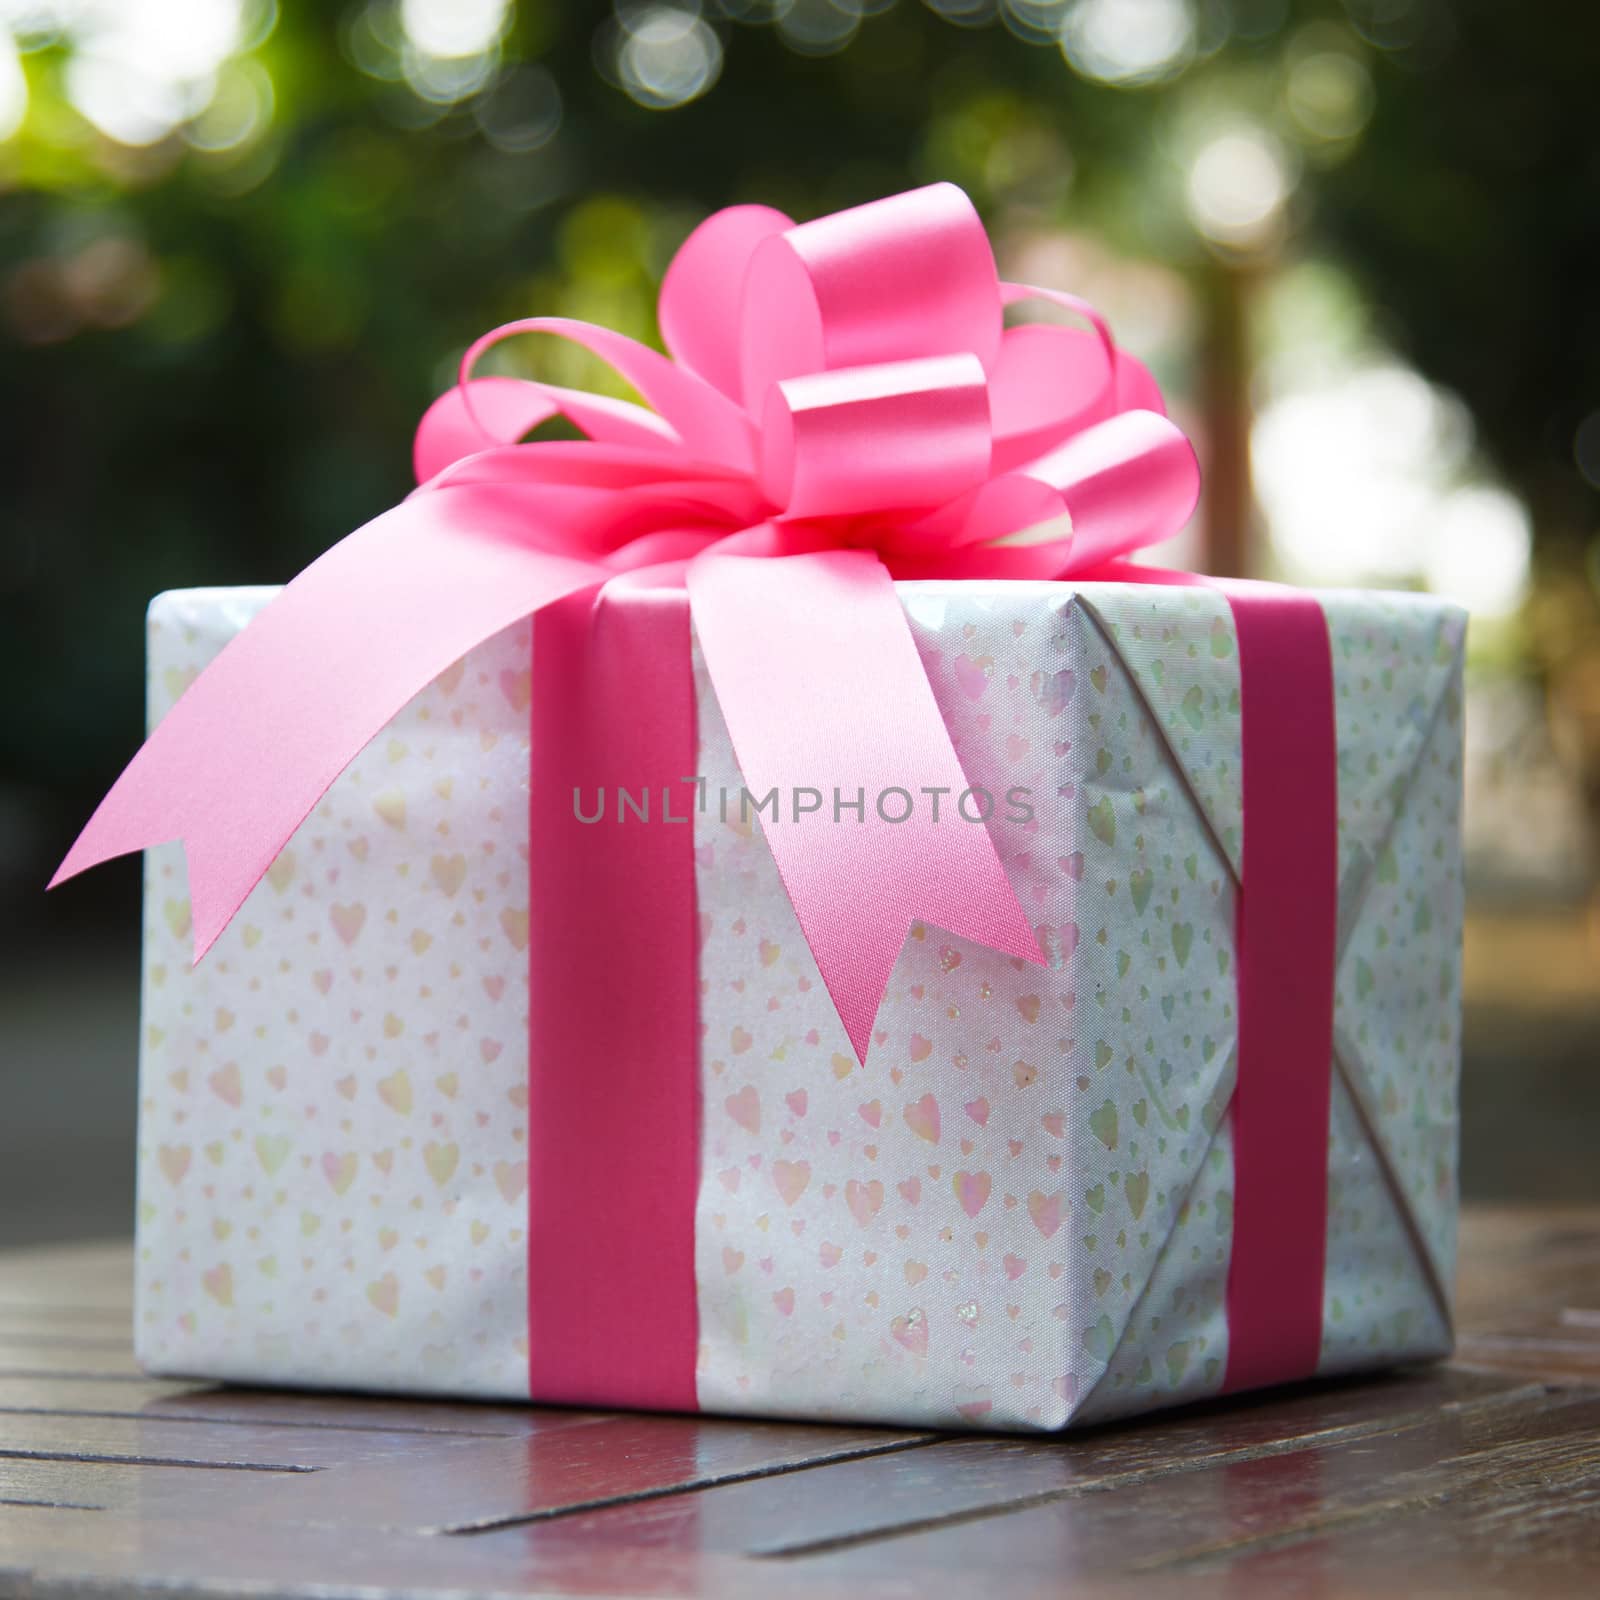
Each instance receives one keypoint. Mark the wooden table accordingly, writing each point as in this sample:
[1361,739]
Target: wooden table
[1478,1477]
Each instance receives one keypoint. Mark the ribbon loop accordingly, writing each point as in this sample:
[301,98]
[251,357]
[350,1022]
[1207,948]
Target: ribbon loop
[909,276]
[1126,482]
[865,439]
[708,423]
[499,411]
[705,278]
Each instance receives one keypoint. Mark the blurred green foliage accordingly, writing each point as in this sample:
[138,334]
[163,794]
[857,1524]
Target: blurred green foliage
[214,352]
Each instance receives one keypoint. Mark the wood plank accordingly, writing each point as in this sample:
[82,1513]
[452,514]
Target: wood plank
[433,1479]
[224,1487]
[101,1485]
[175,1399]
[1108,1529]
[1523,1518]
[1437,1478]
[1527,1264]
[491,1482]
[1529,1295]
[970,1478]
[1178,1522]
[206,1530]
[256,1445]
[126,1397]
[72,1554]
[1553,1356]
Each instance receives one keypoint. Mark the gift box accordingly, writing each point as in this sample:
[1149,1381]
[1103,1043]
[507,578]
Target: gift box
[1018,1210]
[861,950]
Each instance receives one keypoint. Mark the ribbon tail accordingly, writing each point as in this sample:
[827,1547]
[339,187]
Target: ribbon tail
[826,699]
[260,736]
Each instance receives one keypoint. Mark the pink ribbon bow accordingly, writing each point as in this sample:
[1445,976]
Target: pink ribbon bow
[841,395]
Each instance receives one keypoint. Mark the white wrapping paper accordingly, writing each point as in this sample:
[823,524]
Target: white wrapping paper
[1017,1214]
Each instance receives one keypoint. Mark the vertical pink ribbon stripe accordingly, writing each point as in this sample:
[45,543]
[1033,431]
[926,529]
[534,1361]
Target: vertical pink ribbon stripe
[1287,912]
[613,1025]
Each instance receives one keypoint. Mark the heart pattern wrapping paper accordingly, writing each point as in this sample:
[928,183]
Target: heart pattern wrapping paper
[332,1173]
[1016,1214]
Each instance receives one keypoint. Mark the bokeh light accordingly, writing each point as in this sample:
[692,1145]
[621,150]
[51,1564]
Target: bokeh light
[375,42]
[1388,24]
[240,108]
[666,55]
[1478,550]
[1128,42]
[522,112]
[445,51]
[449,29]
[108,280]
[966,13]
[138,70]
[444,80]
[1349,470]
[818,27]
[1329,95]
[451,46]
[1034,21]
[1237,186]
[1366,477]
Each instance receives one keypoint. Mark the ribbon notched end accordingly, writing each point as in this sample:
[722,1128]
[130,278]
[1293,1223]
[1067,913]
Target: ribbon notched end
[215,891]
[856,952]
[102,840]
[858,992]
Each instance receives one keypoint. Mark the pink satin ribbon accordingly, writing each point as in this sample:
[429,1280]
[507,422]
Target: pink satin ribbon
[1286,941]
[614,1027]
[863,415]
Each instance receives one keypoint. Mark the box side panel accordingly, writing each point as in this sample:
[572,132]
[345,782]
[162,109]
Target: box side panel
[1391,1159]
[1393,1185]
[332,1149]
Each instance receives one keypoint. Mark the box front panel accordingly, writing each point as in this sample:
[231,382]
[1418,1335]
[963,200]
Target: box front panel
[332,1148]
[1393,1185]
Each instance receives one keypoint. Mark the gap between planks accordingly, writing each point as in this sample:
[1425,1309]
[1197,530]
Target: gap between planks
[668,1491]
[47,1505]
[110,1459]
[74,1374]
[254,1422]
